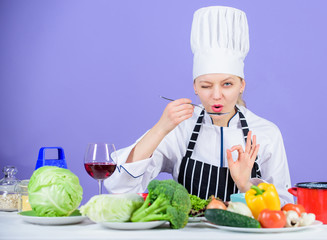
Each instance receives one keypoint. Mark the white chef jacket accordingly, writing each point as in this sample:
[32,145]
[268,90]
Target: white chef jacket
[272,161]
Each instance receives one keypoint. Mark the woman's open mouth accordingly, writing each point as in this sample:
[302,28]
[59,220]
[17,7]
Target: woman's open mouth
[217,108]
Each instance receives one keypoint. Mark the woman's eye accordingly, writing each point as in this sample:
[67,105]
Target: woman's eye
[205,86]
[227,84]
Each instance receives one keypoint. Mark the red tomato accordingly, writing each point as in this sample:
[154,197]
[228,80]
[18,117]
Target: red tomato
[272,219]
[295,207]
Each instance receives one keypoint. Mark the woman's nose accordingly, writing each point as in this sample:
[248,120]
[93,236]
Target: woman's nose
[217,93]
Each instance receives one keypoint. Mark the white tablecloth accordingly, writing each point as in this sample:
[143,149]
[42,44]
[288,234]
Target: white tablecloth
[13,227]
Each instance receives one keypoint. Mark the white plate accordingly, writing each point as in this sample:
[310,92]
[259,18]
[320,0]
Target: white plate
[30,217]
[196,219]
[265,230]
[132,225]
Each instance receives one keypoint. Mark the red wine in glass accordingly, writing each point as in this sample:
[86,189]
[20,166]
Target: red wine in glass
[100,170]
[100,161]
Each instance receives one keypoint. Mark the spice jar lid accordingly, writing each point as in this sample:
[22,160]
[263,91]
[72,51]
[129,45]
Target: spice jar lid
[9,182]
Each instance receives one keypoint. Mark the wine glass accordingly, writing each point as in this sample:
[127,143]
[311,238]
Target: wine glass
[99,162]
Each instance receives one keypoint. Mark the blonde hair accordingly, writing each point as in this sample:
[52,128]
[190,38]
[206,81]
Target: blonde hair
[240,100]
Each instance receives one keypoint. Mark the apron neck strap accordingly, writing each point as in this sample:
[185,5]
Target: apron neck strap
[244,124]
[194,135]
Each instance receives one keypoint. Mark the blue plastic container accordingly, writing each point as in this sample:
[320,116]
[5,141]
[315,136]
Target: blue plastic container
[238,197]
[60,162]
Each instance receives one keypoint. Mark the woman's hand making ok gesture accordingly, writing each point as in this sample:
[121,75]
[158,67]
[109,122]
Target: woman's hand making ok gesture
[240,169]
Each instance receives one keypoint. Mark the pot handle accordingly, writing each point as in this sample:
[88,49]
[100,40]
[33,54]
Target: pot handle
[293,191]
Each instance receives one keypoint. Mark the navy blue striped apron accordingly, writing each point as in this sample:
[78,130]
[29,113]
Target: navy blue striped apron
[202,179]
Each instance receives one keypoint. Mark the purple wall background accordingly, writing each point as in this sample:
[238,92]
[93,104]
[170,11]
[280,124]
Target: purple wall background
[73,72]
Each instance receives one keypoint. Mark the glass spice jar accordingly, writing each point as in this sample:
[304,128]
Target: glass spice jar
[22,189]
[8,194]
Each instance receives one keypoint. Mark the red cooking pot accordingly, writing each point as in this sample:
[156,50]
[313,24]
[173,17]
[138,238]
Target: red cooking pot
[313,197]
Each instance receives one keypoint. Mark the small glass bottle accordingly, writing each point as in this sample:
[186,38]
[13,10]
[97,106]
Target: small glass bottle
[23,203]
[8,194]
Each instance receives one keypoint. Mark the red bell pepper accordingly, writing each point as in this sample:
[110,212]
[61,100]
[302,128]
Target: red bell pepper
[144,195]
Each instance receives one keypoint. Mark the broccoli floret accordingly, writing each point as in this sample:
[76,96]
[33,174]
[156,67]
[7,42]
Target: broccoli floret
[180,196]
[167,200]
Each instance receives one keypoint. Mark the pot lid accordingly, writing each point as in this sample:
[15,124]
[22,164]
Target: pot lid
[312,185]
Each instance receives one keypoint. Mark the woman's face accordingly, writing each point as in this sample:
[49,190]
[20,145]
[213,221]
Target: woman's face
[219,92]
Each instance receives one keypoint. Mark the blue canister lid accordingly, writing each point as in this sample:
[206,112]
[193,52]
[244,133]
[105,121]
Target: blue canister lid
[60,162]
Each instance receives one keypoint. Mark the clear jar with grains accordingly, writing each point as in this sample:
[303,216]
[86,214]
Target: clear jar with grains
[22,190]
[8,194]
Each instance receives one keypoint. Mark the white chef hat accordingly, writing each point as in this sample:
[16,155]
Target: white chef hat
[219,41]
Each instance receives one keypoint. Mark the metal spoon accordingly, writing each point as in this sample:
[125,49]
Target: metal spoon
[195,105]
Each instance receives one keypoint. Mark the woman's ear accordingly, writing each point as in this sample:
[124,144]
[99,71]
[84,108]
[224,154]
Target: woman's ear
[195,89]
[243,86]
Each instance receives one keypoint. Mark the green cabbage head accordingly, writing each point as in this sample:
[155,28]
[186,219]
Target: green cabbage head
[54,192]
[112,207]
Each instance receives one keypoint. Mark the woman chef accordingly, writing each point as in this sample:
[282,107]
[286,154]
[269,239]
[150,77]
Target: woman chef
[210,154]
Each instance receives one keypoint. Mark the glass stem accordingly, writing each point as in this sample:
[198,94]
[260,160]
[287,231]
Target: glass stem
[100,181]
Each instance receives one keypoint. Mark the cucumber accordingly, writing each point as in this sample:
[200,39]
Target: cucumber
[231,219]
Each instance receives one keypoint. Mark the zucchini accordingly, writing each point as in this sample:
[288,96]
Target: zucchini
[231,219]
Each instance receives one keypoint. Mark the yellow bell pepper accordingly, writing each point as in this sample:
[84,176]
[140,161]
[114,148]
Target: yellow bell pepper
[263,196]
